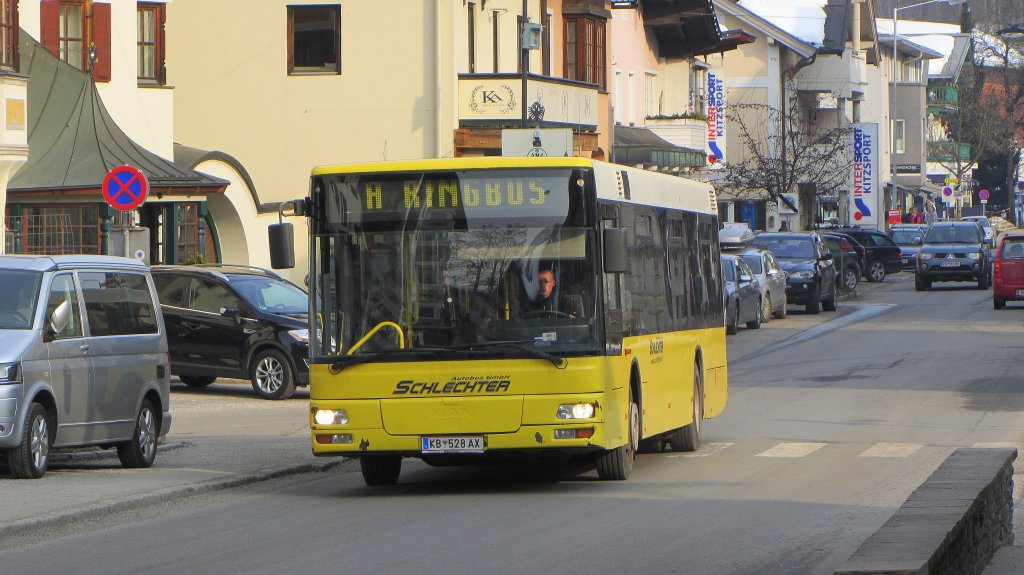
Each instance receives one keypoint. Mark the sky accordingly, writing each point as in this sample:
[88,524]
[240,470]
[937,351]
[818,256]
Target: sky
[933,35]
[804,19]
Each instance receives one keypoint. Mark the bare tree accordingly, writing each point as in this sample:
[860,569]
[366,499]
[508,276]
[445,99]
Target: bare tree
[786,151]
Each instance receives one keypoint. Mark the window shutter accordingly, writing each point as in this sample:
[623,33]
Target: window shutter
[101,38]
[49,25]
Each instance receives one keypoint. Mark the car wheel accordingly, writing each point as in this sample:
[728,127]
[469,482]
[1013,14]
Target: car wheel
[381,469]
[876,271]
[920,283]
[766,308]
[998,303]
[141,450]
[756,322]
[617,464]
[814,300]
[732,327]
[688,437]
[983,281]
[851,277]
[196,380]
[28,460]
[829,304]
[272,376]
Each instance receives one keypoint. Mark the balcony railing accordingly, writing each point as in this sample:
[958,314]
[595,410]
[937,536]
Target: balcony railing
[946,151]
[943,97]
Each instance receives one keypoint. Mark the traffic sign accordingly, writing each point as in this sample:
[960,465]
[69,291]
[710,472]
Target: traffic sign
[125,188]
[947,191]
[983,194]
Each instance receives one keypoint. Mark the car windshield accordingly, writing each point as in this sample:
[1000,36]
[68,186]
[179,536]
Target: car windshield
[788,247]
[21,288]
[1013,249]
[754,261]
[906,237]
[271,295]
[985,223]
[953,235]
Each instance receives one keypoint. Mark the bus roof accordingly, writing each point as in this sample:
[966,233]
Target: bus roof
[478,162]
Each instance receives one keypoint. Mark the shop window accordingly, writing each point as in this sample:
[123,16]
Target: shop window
[59,229]
[186,218]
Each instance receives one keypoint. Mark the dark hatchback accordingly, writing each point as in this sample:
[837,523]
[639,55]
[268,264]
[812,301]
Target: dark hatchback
[236,322]
[953,251]
[813,280]
[883,255]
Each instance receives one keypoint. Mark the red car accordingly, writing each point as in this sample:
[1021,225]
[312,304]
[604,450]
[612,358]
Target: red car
[1008,271]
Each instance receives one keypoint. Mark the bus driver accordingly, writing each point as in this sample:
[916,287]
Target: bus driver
[546,304]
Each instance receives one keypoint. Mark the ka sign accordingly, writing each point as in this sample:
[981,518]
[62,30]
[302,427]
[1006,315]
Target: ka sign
[716,119]
[864,188]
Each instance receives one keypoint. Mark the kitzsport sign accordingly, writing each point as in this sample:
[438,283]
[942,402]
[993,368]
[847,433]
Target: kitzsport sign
[716,119]
[864,189]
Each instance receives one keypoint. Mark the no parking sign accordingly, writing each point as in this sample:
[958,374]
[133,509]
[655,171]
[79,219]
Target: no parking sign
[125,188]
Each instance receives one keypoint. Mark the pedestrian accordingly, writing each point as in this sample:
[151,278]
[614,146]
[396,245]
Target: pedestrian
[929,211]
[913,216]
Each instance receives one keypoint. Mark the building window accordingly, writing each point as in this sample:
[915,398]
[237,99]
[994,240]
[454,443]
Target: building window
[186,217]
[898,137]
[151,43]
[71,33]
[9,34]
[585,50]
[698,90]
[314,39]
[60,229]
[651,95]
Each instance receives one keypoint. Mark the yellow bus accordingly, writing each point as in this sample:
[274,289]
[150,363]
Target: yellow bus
[475,309]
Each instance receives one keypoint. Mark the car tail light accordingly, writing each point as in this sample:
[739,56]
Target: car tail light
[997,269]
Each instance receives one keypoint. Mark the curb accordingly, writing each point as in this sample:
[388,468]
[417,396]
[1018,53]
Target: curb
[162,495]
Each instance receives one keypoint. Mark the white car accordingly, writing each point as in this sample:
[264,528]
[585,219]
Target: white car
[986,226]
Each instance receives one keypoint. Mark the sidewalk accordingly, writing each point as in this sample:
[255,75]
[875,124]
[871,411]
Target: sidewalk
[222,437]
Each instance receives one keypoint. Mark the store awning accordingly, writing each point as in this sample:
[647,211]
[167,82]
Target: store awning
[640,146]
[73,141]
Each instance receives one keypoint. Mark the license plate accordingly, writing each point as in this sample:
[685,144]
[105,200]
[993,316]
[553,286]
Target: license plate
[951,264]
[453,444]
[1020,293]
[906,260]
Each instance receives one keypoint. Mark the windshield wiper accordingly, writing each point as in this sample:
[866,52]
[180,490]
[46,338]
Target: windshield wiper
[518,344]
[344,361]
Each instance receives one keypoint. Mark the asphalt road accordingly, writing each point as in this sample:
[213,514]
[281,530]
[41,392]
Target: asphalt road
[832,421]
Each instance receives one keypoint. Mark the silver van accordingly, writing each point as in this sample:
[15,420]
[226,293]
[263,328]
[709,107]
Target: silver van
[83,359]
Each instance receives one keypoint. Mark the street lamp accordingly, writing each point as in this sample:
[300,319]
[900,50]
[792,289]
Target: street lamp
[892,89]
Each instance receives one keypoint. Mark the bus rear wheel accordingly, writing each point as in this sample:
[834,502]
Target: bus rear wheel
[687,438]
[380,469]
[617,464]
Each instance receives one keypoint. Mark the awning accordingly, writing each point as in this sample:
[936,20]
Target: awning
[73,142]
[634,146]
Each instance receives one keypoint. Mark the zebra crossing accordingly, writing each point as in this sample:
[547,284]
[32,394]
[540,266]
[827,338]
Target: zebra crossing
[800,449]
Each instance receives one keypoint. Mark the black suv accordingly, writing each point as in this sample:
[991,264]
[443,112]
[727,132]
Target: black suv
[883,255]
[953,251]
[812,280]
[237,322]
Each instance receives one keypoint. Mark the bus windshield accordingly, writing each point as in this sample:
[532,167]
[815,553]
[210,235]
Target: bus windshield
[496,263]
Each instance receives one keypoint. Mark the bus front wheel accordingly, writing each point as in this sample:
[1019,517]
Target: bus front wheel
[381,469]
[617,464]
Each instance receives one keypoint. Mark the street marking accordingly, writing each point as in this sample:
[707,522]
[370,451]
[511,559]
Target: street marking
[705,450]
[891,450]
[791,450]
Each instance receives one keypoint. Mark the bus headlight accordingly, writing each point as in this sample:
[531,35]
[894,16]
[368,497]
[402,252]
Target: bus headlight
[331,417]
[575,411]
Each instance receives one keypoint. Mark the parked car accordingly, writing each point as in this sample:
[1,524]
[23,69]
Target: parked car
[848,256]
[812,279]
[83,361]
[908,238]
[986,227]
[742,295]
[235,321]
[1008,271]
[734,235]
[883,255]
[953,251]
[771,278]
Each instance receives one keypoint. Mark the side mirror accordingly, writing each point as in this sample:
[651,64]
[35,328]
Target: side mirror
[826,257]
[58,321]
[615,260]
[282,245]
[233,313]
[745,279]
